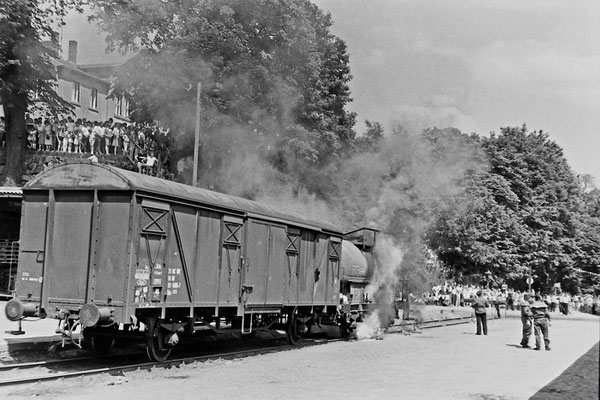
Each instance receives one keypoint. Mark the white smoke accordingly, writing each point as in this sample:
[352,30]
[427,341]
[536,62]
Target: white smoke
[370,326]
[388,257]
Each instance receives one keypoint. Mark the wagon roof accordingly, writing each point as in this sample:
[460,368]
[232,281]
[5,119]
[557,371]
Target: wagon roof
[87,175]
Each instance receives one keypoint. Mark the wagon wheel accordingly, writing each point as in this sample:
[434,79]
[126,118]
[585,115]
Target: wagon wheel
[291,333]
[155,347]
[102,345]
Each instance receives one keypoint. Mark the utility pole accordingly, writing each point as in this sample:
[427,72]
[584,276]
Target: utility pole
[197,137]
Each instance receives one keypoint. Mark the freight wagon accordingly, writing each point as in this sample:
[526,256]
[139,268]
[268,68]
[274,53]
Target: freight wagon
[121,253]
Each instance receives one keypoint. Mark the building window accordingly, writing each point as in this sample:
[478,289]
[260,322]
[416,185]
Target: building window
[122,108]
[76,92]
[94,99]
[119,108]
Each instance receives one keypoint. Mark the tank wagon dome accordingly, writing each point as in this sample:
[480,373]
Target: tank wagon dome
[94,176]
[355,264]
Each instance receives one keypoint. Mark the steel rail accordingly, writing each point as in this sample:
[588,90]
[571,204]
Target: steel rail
[33,364]
[148,365]
[49,363]
[446,322]
[434,323]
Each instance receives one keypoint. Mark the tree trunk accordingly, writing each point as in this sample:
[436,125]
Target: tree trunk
[16,140]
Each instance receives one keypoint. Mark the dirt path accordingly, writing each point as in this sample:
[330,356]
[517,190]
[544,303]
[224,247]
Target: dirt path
[441,363]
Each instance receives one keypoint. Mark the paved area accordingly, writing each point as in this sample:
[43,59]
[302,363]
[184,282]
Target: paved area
[38,335]
[442,363]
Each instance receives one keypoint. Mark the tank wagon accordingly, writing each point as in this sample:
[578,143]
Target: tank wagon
[125,254]
[358,264]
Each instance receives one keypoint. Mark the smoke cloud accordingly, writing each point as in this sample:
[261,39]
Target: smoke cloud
[397,190]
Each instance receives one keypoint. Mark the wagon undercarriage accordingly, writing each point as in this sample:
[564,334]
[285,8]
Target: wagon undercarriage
[162,335]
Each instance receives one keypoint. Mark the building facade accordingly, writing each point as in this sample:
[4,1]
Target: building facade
[87,88]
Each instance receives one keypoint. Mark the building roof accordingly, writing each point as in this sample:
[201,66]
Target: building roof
[86,176]
[11,192]
[60,63]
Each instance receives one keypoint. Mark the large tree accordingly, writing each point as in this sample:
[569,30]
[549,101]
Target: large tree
[528,213]
[274,78]
[28,44]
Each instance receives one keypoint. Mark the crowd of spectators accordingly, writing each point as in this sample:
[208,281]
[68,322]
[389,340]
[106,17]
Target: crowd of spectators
[137,141]
[451,294]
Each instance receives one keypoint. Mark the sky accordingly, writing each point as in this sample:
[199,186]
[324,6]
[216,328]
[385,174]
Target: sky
[478,66]
[471,64]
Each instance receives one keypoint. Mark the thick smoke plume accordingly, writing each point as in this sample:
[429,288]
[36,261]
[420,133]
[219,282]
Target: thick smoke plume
[395,190]
[388,257]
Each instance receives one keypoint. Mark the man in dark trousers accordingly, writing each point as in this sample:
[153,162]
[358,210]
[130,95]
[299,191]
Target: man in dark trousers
[526,319]
[541,318]
[480,304]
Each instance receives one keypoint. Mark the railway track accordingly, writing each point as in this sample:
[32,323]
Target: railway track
[83,366]
[52,373]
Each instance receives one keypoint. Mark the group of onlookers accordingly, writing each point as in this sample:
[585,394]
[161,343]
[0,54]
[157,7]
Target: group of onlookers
[141,142]
[452,294]
[97,137]
[147,144]
[535,308]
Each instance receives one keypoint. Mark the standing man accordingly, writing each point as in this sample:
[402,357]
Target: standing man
[526,320]
[563,304]
[510,300]
[499,300]
[480,305]
[540,322]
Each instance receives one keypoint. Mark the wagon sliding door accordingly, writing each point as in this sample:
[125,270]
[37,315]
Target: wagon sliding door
[150,274]
[269,270]
[326,273]
[112,243]
[182,253]
[231,260]
[333,272]
[67,268]
[292,256]
[32,252]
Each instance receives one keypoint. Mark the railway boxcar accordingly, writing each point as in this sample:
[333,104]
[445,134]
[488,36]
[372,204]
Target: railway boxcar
[122,253]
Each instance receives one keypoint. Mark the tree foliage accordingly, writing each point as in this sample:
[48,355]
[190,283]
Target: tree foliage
[270,70]
[527,213]
[28,45]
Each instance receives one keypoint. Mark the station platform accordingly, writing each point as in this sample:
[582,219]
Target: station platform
[31,335]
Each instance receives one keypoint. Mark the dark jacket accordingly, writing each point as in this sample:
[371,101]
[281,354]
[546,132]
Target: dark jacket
[480,305]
